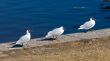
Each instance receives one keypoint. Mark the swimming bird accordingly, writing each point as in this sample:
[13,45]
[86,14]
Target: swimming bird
[23,39]
[55,33]
[88,25]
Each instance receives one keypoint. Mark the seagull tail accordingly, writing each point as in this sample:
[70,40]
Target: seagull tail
[48,36]
[79,28]
[76,26]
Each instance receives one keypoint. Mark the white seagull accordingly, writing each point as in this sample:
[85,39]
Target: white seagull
[24,38]
[55,33]
[88,25]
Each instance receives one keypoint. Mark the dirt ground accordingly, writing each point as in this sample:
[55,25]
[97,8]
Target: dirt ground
[89,46]
[97,49]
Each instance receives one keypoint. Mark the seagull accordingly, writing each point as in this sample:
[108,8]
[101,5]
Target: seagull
[23,39]
[88,25]
[55,33]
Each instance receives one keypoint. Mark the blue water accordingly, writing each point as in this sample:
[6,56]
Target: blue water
[42,16]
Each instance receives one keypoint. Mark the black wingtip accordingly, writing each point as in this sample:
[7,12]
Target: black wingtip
[16,46]
[49,39]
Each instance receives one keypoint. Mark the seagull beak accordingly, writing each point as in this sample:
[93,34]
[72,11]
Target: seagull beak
[63,28]
[93,18]
[30,30]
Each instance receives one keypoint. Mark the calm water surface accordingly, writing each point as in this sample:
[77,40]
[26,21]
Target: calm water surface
[42,16]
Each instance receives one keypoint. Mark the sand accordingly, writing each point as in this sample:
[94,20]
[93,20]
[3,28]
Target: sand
[62,39]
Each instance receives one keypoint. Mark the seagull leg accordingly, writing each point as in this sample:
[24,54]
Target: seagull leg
[27,45]
[91,29]
[57,38]
[22,44]
[53,38]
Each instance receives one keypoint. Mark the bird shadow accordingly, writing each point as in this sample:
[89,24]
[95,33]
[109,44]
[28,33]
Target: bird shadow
[48,39]
[16,46]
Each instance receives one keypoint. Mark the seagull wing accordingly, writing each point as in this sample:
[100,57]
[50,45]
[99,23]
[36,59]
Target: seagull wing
[86,25]
[23,39]
[55,32]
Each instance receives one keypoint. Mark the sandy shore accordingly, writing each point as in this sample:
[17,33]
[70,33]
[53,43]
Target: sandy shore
[64,38]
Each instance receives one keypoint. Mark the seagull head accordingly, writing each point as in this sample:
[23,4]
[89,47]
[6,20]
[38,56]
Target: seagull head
[28,31]
[92,18]
[62,27]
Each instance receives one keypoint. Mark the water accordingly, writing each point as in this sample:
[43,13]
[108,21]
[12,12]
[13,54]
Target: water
[42,16]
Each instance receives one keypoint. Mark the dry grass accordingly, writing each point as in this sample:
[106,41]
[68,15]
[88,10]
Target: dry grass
[84,50]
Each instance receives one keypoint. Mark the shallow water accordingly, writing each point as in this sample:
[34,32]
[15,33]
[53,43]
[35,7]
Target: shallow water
[42,16]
